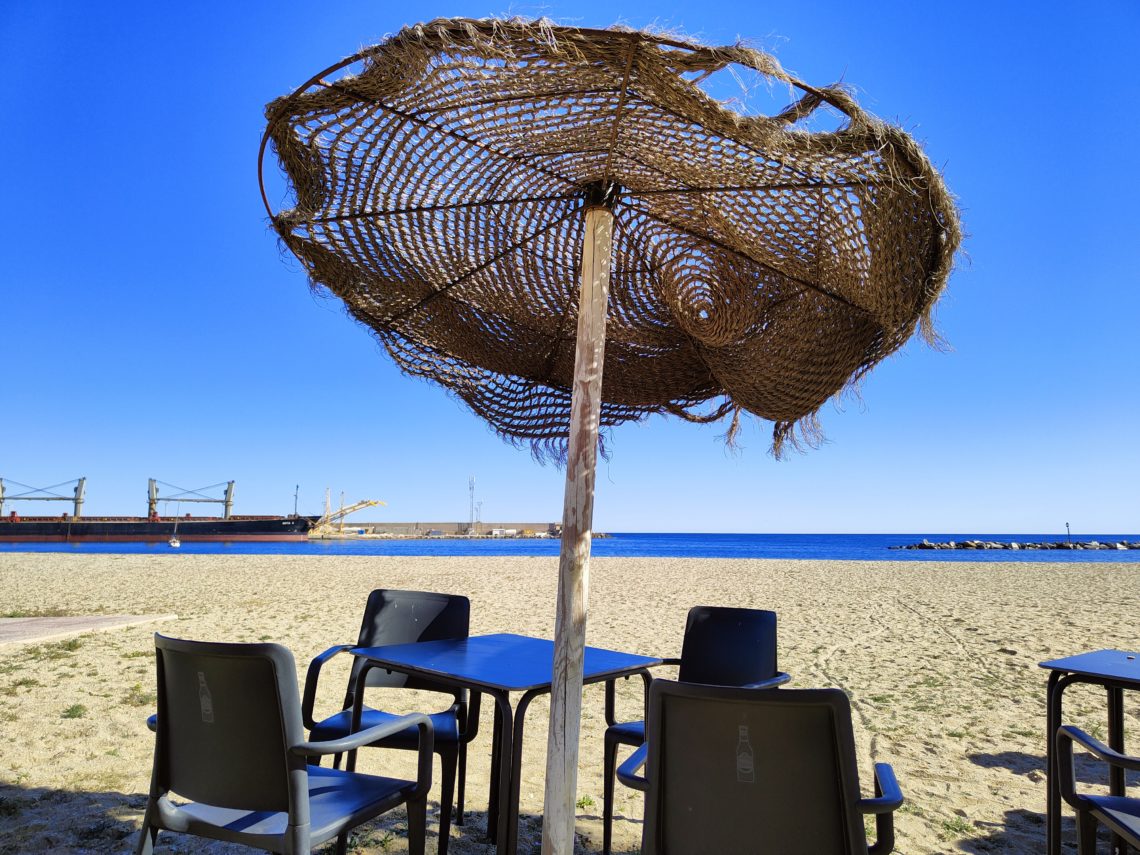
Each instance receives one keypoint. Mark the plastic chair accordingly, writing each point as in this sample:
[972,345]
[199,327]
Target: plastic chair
[736,771]
[722,646]
[229,740]
[402,617]
[1120,814]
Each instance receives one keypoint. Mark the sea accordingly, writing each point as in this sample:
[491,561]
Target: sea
[836,547]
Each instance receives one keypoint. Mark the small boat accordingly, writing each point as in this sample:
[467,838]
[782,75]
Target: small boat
[174,541]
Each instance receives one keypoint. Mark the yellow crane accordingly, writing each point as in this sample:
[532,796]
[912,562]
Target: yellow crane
[332,517]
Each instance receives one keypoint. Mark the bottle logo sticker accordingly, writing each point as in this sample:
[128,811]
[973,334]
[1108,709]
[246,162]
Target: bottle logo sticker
[204,700]
[745,767]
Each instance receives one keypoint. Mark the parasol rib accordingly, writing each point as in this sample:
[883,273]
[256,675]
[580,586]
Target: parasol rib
[530,96]
[721,245]
[749,188]
[768,155]
[439,292]
[411,117]
[634,42]
[427,209]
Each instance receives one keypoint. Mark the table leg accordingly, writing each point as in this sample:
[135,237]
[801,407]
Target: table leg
[1116,743]
[357,711]
[496,769]
[512,815]
[1052,791]
[507,751]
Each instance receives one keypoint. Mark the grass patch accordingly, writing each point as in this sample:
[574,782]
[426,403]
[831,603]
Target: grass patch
[139,697]
[22,683]
[957,734]
[17,613]
[59,650]
[584,802]
[930,681]
[956,827]
[74,711]
[137,654]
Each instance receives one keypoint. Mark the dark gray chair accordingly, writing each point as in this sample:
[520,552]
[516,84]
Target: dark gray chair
[1118,813]
[231,747]
[732,770]
[403,617]
[722,646]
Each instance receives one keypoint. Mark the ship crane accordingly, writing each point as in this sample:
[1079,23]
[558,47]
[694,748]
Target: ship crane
[49,496]
[331,517]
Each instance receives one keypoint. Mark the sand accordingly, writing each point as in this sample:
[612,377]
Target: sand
[940,661]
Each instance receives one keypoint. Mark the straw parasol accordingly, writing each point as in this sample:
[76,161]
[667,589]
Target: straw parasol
[564,229]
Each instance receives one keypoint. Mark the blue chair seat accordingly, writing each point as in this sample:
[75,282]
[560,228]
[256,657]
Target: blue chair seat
[1120,814]
[627,732]
[446,726]
[333,795]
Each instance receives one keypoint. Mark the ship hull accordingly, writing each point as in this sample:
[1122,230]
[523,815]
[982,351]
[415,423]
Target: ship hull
[141,530]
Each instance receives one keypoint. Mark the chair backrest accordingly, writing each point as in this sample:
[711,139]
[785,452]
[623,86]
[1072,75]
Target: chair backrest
[403,617]
[227,714]
[728,646]
[762,772]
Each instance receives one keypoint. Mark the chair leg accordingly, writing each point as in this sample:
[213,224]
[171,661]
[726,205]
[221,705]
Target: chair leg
[447,763]
[1086,833]
[461,784]
[342,843]
[608,773]
[417,825]
[336,761]
[147,838]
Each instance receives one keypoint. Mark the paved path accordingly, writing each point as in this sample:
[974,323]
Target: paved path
[25,630]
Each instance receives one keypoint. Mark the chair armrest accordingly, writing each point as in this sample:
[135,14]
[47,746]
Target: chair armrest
[769,683]
[152,723]
[888,796]
[674,661]
[1066,774]
[888,799]
[1069,734]
[366,737]
[469,726]
[627,771]
[311,678]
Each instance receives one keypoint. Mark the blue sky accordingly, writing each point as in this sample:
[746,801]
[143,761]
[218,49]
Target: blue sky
[152,328]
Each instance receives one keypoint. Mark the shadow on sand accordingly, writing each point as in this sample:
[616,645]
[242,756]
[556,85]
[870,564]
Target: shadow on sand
[70,822]
[1024,831]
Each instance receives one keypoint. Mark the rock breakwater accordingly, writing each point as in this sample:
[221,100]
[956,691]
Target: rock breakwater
[994,544]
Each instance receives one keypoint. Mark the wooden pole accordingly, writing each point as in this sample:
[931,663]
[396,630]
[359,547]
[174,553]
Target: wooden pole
[577,524]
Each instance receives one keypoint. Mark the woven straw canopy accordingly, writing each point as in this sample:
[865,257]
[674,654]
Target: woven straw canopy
[439,180]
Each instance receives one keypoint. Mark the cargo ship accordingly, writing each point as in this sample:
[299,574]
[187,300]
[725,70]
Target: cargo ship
[153,528]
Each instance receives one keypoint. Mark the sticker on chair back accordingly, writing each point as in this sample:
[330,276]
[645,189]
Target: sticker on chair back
[204,700]
[745,767]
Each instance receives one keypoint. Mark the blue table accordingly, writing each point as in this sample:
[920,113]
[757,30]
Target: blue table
[1115,670]
[497,665]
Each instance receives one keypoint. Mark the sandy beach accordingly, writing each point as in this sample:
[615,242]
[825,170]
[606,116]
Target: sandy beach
[940,660]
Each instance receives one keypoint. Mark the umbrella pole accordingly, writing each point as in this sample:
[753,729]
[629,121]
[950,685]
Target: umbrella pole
[577,524]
